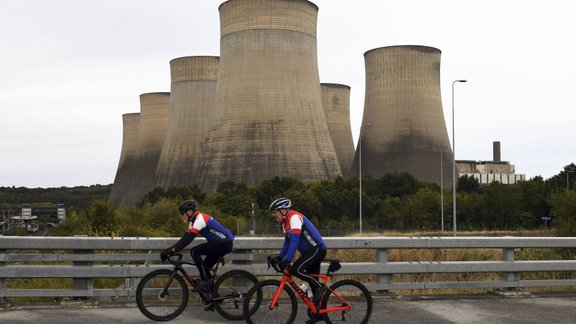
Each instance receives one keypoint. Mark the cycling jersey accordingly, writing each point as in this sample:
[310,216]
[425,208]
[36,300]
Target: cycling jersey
[300,234]
[209,228]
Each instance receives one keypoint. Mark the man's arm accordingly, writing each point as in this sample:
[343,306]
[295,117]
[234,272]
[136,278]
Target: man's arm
[186,239]
[284,249]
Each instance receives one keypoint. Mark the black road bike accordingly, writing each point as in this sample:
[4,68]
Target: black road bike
[163,294]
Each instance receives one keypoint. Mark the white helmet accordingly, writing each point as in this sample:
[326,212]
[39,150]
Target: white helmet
[280,203]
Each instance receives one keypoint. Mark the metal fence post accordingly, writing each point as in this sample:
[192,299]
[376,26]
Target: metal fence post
[3,282]
[384,280]
[508,254]
[85,286]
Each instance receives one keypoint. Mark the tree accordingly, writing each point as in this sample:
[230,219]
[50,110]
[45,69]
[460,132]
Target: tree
[231,199]
[102,219]
[395,185]
[421,211]
[470,212]
[501,206]
[468,184]
[533,204]
[564,212]
[268,190]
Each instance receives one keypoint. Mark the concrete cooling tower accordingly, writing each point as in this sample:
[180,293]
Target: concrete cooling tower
[404,110]
[153,124]
[268,119]
[123,179]
[192,96]
[336,101]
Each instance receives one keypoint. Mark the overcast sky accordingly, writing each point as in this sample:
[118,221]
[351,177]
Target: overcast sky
[69,69]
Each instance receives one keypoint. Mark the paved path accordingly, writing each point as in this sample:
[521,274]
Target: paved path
[429,310]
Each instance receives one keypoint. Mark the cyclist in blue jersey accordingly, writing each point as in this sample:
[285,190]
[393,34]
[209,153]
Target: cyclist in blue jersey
[219,241]
[300,235]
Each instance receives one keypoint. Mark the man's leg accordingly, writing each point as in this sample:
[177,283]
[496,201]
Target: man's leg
[197,252]
[213,252]
[308,264]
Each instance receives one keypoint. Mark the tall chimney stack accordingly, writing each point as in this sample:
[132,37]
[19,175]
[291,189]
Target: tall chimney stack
[496,151]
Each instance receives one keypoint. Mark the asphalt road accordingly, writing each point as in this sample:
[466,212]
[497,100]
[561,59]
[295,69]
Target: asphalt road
[430,310]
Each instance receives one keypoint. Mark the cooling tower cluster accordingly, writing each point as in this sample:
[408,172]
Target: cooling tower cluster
[253,113]
[403,127]
[259,111]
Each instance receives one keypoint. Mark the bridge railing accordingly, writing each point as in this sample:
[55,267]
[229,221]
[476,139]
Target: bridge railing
[82,261]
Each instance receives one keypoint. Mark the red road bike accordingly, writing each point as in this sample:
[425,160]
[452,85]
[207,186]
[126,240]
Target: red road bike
[274,301]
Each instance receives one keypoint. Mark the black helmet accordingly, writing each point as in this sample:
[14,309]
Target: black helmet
[187,205]
[280,203]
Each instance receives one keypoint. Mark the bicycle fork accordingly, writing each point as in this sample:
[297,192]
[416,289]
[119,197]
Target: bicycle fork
[164,293]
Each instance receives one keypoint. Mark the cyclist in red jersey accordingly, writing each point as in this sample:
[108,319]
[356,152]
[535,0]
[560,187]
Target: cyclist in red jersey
[219,241]
[300,235]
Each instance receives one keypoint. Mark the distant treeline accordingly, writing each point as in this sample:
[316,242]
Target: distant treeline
[393,202]
[80,197]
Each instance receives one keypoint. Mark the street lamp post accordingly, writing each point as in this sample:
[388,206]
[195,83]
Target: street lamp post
[360,175]
[253,231]
[442,186]
[454,162]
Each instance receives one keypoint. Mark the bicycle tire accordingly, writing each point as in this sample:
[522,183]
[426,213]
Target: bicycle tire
[232,287]
[355,294]
[157,307]
[256,309]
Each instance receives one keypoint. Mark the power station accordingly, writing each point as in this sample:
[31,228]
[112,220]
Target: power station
[259,110]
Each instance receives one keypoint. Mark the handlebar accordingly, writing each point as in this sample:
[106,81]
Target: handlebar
[175,259]
[276,267]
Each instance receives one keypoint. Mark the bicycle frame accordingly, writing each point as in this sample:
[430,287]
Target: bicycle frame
[287,279]
[178,267]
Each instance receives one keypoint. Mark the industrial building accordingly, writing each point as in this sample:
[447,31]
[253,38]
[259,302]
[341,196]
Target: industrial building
[487,172]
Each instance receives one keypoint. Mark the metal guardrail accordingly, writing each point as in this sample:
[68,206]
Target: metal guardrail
[85,259]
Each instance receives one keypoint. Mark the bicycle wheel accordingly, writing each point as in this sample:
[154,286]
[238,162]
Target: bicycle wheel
[162,295]
[353,293]
[229,292]
[258,306]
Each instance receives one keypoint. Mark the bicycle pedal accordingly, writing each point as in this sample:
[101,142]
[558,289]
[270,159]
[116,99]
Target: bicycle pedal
[209,308]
